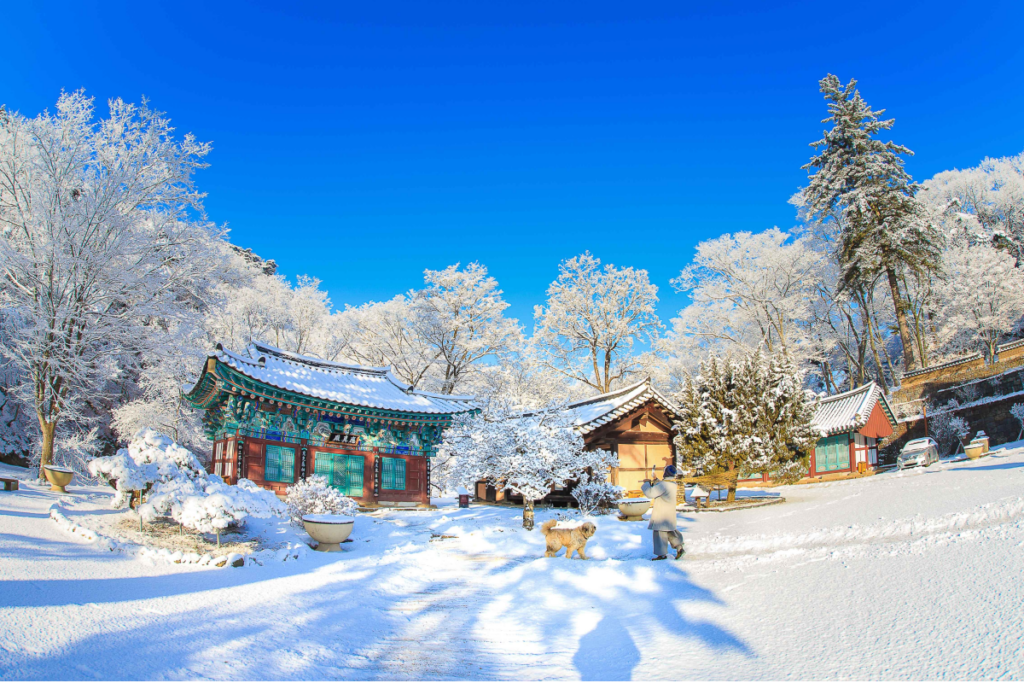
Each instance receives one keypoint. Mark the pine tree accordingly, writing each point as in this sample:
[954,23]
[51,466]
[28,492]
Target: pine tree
[860,182]
[745,417]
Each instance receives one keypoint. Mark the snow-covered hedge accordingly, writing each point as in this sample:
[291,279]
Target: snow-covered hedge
[180,488]
[292,551]
[150,458]
[313,496]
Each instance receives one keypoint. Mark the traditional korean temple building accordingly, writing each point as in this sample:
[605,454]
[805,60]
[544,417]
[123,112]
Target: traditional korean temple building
[275,417]
[634,422]
[853,423]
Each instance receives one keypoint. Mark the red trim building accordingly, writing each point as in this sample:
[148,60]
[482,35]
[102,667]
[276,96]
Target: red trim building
[853,423]
[276,417]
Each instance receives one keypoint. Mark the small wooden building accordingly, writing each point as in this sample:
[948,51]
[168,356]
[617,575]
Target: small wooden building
[853,422]
[275,417]
[634,422]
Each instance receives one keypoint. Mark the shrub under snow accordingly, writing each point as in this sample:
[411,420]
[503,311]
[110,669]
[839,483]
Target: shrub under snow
[179,486]
[313,496]
[124,474]
[150,458]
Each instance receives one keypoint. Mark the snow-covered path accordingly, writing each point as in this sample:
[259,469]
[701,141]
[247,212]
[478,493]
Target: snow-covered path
[902,575]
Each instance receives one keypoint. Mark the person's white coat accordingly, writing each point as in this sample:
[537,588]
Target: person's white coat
[663,516]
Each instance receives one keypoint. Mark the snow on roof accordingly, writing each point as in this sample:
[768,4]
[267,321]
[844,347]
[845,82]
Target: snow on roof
[600,410]
[850,410]
[338,382]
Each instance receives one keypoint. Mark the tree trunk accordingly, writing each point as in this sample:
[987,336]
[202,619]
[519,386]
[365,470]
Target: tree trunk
[48,429]
[731,497]
[874,353]
[909,362]
[528,515]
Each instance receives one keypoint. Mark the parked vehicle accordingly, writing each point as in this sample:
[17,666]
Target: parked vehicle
[918,453]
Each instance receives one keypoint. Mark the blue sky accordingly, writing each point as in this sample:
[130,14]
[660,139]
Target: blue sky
[363,142]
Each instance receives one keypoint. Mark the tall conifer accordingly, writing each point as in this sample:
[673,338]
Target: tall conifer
[860,181]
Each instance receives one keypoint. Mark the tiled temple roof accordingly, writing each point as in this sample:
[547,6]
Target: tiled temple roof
[600,410]
[850,410]
[352,385]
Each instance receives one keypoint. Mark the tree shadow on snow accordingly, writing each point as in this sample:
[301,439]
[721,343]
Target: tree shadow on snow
[368,614]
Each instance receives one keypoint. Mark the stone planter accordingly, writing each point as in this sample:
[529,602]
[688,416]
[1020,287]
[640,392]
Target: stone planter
[974,450]
[329,531]
[633,509]
[59,477]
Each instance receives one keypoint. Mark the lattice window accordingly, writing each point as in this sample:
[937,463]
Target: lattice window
[343,472]
[393,474]
[279,464]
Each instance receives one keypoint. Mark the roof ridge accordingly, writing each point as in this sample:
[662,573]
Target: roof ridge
[848,392]
[265,348]
[611,394]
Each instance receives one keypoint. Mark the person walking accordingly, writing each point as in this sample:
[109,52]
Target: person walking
[663,514]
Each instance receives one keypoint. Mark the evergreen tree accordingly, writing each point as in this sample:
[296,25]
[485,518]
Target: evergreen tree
[860,182]
[745,417]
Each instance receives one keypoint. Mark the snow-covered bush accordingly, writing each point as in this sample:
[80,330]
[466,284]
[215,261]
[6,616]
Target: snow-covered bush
[172,460]
[948,429]
[151,458]
[593,490]
[313,496]
[1018,412]
[593,493]
[124,474]
[221,505]
[179,487]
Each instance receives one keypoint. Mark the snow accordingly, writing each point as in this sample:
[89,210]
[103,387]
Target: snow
[340,383]
[849,410]
[922,565]
[599,410]
[328,519]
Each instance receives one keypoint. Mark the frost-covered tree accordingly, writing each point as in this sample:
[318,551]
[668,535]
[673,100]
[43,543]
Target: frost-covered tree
[384,333]
[592,319]
[745,417]
[100,238]
[459,314]
[981,205]
[948,429]
[525,454]
[859,181]
[750,289]
[521,379]
[978,299]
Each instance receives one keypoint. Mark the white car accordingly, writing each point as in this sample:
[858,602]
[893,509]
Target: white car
[918,453]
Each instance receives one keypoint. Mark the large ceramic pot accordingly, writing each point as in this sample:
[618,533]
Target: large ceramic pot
[633,509]
[59,477]
[329,531]
[974,450]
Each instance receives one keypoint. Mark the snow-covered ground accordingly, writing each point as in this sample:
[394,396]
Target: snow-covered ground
[903,575]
